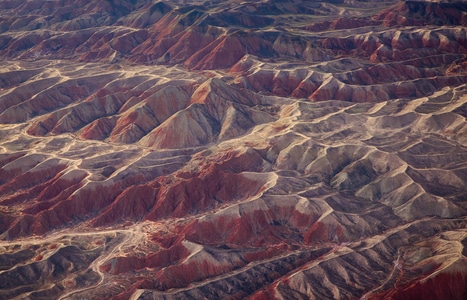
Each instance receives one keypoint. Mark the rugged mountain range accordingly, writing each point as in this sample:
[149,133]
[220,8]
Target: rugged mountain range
[233,149]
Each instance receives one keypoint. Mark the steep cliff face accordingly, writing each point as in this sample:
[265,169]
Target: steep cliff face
[231,150]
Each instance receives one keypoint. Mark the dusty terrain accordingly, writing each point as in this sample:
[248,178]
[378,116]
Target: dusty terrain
[233,149]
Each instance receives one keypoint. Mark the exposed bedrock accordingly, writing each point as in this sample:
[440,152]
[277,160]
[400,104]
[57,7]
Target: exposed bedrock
[232,150]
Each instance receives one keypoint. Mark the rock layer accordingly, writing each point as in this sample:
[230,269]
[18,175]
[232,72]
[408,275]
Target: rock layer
[273,150]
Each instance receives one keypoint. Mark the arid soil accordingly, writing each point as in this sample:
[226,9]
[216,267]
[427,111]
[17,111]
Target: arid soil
[233,149]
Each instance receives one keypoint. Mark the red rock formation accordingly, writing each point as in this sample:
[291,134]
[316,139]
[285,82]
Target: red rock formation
[158,260]
[452,286]
[419,13]
[231,150]
[131,204]
[186,197]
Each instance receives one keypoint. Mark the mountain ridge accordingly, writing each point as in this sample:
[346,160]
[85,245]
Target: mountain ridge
[229,149]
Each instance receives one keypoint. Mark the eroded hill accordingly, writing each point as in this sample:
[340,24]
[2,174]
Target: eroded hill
[228,149]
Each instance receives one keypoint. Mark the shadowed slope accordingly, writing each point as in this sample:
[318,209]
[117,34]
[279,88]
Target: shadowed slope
[228,149]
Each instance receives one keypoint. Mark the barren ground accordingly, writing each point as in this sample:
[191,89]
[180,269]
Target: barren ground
[231,150]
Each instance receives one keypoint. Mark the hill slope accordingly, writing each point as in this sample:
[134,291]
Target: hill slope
[233,149]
